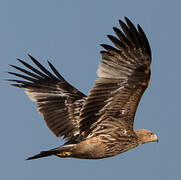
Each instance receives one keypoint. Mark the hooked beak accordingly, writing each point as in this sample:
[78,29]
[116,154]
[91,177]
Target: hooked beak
[154,138]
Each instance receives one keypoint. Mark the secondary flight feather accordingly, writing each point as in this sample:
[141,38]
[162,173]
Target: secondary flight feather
[99,125]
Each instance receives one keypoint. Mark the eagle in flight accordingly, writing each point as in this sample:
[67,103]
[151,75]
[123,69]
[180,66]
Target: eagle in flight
[99,125]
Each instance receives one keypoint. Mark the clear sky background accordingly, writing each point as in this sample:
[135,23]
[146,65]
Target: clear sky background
[68,33]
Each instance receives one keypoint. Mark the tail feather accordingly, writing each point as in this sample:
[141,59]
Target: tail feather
[43,154]
[62,151]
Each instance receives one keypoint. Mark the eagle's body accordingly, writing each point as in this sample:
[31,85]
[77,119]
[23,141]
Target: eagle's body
[99,125]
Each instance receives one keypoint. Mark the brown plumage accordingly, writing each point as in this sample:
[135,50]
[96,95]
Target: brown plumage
[99,125]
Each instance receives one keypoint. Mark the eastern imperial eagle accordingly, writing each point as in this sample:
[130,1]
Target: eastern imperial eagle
[99,125]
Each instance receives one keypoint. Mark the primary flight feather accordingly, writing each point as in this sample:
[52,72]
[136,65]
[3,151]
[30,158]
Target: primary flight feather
[99,125]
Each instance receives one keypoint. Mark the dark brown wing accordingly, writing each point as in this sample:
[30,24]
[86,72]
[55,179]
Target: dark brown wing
[123,76]
[56,99]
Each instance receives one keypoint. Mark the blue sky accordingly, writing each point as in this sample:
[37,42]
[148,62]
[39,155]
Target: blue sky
[68,33]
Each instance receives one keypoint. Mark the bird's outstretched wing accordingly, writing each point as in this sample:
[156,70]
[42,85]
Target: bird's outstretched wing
[123,76]
[56,99]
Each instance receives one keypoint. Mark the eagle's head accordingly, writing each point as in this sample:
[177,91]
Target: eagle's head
[145,136]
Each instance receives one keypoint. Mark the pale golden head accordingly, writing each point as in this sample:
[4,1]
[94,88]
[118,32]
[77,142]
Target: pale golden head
[146,136]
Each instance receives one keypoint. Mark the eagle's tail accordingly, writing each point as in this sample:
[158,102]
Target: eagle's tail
[62,151]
